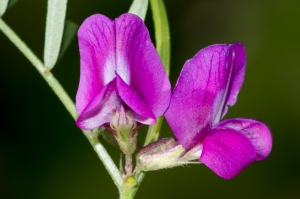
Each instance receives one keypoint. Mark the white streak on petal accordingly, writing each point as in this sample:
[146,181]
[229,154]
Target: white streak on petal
[108,71]
[123,70]
[217,109]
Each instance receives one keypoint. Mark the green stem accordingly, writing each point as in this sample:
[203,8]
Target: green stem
[128,193]
[107,161]
[129,188]
[64,98]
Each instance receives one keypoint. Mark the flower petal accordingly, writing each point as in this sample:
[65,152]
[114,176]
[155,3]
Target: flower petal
[139,65]
[227,152]
[120,47]
[237,61]
[99,110]
[213,77]
[97,46]
[141,111]
[256,131]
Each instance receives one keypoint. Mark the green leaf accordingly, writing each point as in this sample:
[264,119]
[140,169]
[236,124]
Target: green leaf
[162,32]
[153,131]
[54,31]
[163,47]
[11,3]
[3,6]
[70,31]
[139,8]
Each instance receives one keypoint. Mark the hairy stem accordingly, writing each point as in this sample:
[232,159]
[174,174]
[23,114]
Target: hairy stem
[128,166]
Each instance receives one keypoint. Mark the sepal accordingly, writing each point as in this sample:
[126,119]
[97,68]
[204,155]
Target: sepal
[124,129]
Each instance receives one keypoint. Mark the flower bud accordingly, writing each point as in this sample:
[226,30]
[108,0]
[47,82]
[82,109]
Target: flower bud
[158,155]
[165,153]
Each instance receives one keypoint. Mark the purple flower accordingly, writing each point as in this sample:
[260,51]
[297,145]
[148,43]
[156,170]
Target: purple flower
[208,83]
[122,81]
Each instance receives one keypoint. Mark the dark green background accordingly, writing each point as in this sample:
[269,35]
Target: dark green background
[44,155]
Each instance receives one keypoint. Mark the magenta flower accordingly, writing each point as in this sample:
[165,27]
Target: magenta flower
[208,83]
[122,81]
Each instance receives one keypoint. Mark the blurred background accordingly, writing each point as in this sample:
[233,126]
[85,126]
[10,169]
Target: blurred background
[44,155]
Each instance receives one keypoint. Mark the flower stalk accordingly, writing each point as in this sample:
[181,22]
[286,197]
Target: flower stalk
[128,166]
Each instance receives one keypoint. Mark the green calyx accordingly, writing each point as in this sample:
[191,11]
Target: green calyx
[124,128]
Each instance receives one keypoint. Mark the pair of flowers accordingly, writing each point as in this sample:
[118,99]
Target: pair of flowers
[123,85]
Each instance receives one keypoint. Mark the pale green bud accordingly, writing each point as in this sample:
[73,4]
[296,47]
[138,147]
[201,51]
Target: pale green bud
[165,153]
